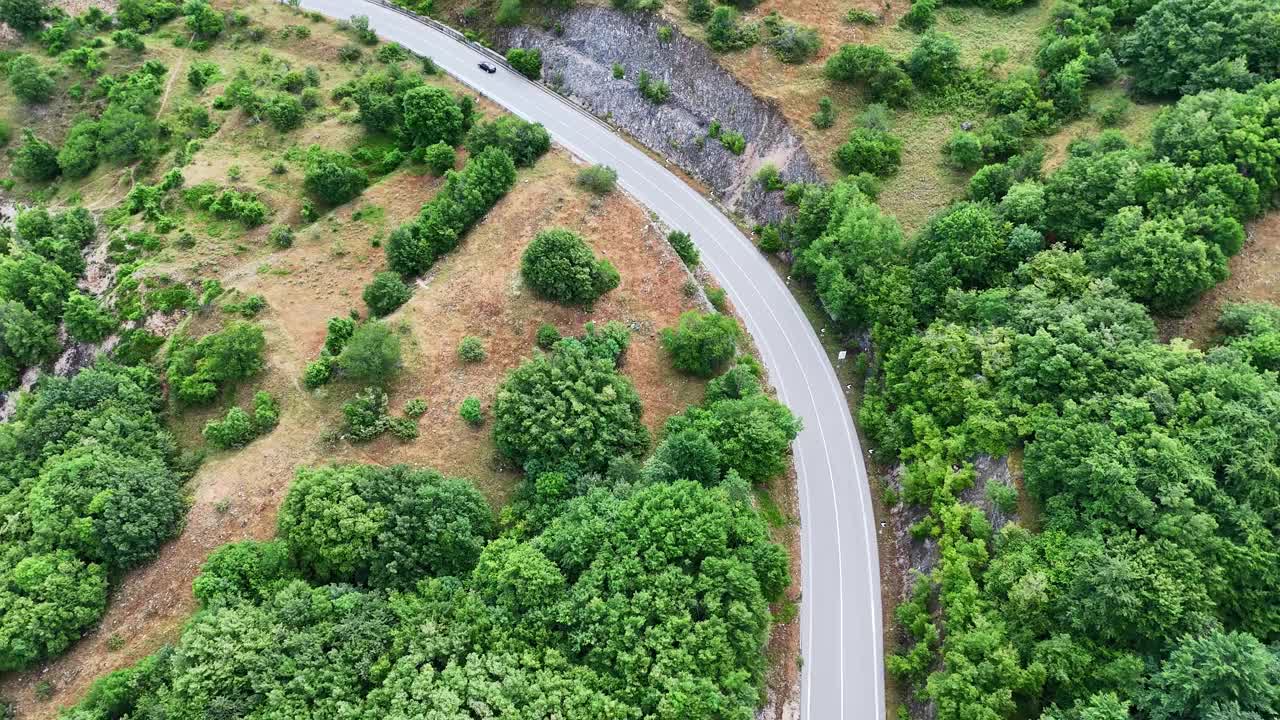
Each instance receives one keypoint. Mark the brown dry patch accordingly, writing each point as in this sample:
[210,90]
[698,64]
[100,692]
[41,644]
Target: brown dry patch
[474,291]
[1255,277]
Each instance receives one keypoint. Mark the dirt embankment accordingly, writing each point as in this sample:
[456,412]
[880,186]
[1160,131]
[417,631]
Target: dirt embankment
[579,59]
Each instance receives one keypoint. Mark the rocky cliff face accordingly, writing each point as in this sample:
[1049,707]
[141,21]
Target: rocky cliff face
[578,60]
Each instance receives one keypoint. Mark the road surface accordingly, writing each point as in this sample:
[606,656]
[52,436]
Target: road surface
[842,676]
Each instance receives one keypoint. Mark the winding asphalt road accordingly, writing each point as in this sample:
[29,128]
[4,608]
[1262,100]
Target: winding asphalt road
[840,616]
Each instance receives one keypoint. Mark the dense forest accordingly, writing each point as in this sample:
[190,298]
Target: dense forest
[1021,317]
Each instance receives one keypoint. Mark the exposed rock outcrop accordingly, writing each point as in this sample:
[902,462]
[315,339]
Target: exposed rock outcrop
[578,60]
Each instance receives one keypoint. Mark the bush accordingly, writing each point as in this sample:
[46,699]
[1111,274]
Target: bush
[599,179]
[569,409]
[332,177]
[234,430]
[547,336]
[655,91]
[471,411]
[559,266]
[285,112]
[392,53]
[386,293]
[872,65]
[963,150]
[734,142]
[86,320]
[35,160]
[702,344]
[201,74]
[198,370]
[524,142]
[873,151]
[826,115]
[318,372]
[935,61]
[684,247]
[372,354]
[792,43]
[79,154]
[725,33]
[439,158]
[526,62]
[415,408]
[203,21]
[921,16]
[770,178]
[281,236]
[471,349]
[29,81]
[366,414]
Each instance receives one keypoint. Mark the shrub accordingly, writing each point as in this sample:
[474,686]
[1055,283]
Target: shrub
[525,142]
[559,266]
[79,154]
[526,62]
[935,61]
[921,16]
[333,177]
[198,370]
[471,349]
[392,53]
[386,293]
[826,115]
[699,11]
[285,112]
[318,372]
[734,142]
[619,71]
[86,320]
[684,247]
[234,430]
[871,64]
[770,178]
[29,81]
[439,157]
[372,354]
[415,408]
[471,411]
[35,160]
[963,150]
[725,33]
[366,414]
[867,150]
[201,74]
[202,20]
[701,344]
[655,91]
[858,16]
[281,236]
[547,336]
[792,43]
[599,179]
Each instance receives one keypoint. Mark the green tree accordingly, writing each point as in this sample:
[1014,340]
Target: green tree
[285,112]
[385,294]
[49,599]
[29,81]
[79,154]
[372,353]
[568,409]
[1221,43]
[439,157]
[559,266]
[702,343]
[387,527]
[726,33]
[35,160]
[753,434]
[202,20]
[333,177]
[432,115]
[86,320]
[935,61]
[198,370]
[1217,673]
[25,16]
[524,141]
[871,151]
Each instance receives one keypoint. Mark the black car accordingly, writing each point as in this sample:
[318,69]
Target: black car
[488,68]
